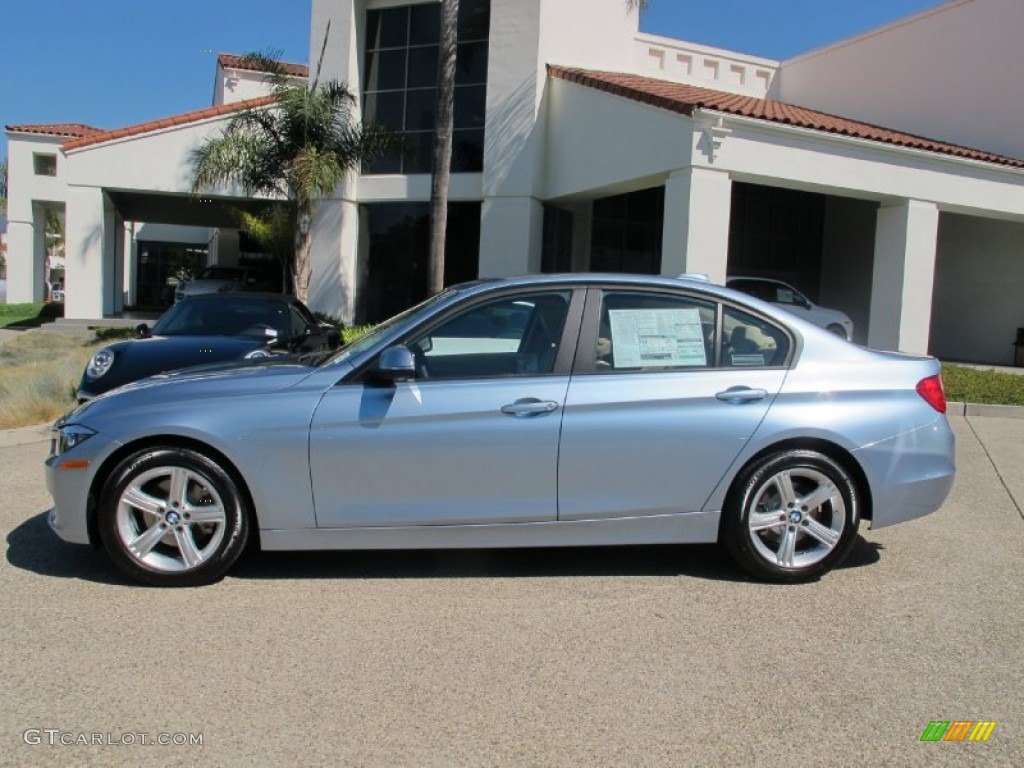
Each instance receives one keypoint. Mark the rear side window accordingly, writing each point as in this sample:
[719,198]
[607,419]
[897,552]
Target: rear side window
[750,342]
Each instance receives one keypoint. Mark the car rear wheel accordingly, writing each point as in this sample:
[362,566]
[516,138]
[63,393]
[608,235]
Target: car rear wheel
[171,516]
[792,516]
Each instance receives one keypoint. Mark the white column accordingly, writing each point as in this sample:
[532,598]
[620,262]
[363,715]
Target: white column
[26,256]
[511,236]
[89,254]
[904,272]
[130,263]
[334,258]
[695,236]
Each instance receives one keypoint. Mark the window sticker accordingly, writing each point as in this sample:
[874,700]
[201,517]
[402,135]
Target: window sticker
[657,338]
[747,359]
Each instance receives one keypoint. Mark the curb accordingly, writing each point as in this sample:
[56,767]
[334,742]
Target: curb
[981,409]
[39,433]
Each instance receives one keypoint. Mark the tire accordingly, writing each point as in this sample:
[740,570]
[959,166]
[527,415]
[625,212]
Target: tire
[791,517]
[838,330]
[187,496]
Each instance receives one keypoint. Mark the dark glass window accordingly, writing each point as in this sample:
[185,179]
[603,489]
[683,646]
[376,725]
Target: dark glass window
[778,233]
[400,81]
[399,246]
[627,232]
[44,165]
[556,253]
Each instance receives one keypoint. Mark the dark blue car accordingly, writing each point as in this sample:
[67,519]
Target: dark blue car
[212,328]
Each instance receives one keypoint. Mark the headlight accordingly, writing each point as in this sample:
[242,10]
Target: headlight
[64,437]
[256,354]
[99,364]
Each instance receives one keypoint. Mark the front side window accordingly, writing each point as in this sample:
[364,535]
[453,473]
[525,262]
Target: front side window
[400,70]
[503,337]
[646,331]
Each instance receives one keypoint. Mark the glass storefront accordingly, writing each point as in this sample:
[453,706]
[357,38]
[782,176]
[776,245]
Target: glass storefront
[162,266]
[400,72]
[395,275]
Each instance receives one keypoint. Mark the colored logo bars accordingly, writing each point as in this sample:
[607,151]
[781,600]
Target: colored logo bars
[958,730]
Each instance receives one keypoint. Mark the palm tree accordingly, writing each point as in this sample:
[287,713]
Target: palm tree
[299,148]
[640,5]
[3,186]
[443,124]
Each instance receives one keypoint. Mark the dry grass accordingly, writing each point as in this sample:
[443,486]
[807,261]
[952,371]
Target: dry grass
[38,376]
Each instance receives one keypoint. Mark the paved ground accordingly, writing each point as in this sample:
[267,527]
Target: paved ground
[639,656]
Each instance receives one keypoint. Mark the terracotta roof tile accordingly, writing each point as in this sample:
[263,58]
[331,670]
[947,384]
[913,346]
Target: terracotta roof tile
[685,99]
[166,122]
[232,61]
[71,130]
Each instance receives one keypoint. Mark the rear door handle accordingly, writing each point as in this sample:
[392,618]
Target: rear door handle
[742,395]
[529,406]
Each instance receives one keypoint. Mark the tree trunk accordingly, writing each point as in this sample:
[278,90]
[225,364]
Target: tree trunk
[443,124]
[302,268]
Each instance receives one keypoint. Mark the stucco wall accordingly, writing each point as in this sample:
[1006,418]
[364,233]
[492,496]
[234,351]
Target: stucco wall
[979,289]
[952,72]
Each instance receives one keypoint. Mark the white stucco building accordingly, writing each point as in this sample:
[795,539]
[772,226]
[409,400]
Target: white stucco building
[880,174]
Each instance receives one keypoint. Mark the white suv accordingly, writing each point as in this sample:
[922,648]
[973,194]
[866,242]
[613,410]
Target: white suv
[790,299]
[222,280]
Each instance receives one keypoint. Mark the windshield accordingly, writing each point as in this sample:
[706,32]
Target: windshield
[228,315]
[409,317]
[221,273]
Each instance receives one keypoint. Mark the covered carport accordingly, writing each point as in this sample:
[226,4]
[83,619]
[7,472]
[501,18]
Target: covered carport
[893,202]
[141,174]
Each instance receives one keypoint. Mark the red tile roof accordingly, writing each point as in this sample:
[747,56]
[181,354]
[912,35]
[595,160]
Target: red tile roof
[167,122]
[232,61]
[71,130]
[685,99]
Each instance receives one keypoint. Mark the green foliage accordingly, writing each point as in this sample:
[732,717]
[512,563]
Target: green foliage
[28,315]
[106,333]
[970,385]
[348,335]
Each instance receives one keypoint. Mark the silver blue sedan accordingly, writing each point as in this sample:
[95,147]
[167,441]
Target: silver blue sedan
[557,410]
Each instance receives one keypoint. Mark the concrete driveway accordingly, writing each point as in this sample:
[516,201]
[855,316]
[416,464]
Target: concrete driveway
[604,657]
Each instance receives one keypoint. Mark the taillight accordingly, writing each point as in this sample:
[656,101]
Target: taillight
[931,391]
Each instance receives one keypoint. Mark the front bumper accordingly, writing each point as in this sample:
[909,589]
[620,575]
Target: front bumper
[69,488]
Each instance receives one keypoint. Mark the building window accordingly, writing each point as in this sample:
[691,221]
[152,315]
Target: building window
[45,165]
[395,275]
[627,232]
[400,83]
[556,252]
[776,232]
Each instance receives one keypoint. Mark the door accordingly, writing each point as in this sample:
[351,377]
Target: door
[664,397]
[472,439]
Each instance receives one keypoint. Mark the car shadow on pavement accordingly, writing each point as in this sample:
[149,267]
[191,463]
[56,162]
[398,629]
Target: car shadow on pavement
[32,546]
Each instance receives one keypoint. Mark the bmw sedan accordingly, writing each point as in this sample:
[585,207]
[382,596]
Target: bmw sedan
[541,411]
[209,329]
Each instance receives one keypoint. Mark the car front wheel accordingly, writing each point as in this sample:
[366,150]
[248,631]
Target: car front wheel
[171,516]
[792,516]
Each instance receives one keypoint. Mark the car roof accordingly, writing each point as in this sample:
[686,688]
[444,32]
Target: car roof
[241,295]
[570,279]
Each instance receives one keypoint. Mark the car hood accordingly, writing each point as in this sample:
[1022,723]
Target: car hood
[140,358]
[211,382]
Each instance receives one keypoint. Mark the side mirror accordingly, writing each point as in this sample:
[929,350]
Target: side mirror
[142,330]
[395,364]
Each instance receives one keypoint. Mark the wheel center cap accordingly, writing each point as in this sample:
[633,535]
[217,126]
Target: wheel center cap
[173,518]
[795,516]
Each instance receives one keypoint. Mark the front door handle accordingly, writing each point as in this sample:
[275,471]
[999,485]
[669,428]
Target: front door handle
[742,395]
[529,406]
